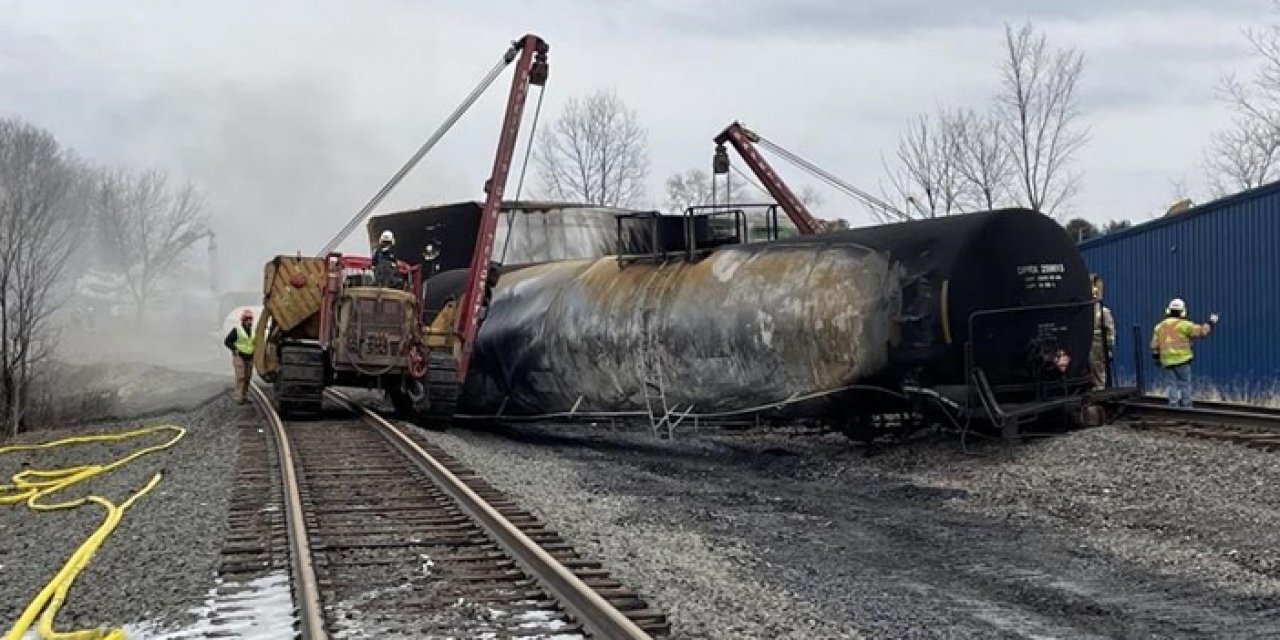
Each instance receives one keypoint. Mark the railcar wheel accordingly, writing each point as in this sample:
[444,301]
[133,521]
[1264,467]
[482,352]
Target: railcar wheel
[858,428]
[408,398]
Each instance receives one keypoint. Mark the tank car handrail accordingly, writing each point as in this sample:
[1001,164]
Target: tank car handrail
[982,386]
[1032,386]
[1034,307]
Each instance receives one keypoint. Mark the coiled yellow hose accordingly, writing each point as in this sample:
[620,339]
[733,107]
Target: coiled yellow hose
[32,485]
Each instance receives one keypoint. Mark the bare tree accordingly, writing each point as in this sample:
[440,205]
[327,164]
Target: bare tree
[695,188]
[145,227]
[37,235]
[930,179]
[915,180]
[1038,105]
[1244,155]
[985,164]
[596,153]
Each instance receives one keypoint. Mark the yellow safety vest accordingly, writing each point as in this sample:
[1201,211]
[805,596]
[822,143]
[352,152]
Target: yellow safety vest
[1172,338]
[244,341]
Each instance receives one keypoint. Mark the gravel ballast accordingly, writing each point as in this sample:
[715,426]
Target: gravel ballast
[161,559]
[772,534]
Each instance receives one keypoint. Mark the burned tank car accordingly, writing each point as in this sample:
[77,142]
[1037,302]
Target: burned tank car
[744,326]
[857,318]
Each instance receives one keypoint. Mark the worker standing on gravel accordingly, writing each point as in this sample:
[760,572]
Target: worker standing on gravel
[1104,333]
[1171,348]
[240,342]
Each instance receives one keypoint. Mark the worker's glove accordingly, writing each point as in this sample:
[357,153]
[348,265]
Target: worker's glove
[1155,357]
[1213,318]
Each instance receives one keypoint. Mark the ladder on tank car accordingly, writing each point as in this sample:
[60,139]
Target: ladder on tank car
[663,418]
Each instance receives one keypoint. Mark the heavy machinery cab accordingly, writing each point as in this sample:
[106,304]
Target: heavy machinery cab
[334,321]
[368,320]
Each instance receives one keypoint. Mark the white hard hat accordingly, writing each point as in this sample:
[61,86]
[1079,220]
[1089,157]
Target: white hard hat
[387,237]
[1177,305]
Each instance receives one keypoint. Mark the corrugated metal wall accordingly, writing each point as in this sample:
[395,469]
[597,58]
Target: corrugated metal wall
[1223,256]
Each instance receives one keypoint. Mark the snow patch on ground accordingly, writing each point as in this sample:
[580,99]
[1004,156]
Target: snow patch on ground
[260,609]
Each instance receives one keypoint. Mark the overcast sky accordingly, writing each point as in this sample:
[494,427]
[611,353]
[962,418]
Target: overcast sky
[292,114]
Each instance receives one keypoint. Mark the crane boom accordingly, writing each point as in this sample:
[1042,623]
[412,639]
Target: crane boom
[744,140]
[530,70]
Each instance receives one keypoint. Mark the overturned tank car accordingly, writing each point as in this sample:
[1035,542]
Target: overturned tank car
[984,315]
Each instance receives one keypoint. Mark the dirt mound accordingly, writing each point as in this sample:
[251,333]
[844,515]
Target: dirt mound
[65,393]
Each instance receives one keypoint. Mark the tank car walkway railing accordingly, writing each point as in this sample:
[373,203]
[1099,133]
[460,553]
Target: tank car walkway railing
[1049,395]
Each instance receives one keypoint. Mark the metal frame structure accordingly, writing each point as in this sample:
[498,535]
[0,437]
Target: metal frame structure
[744,140]
[1042,401]
[531,69]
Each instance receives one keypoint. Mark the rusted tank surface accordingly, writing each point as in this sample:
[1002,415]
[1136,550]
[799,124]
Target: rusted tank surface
[747,325]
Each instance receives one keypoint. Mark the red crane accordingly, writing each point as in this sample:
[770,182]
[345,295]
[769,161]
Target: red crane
[743,139]
[530,70]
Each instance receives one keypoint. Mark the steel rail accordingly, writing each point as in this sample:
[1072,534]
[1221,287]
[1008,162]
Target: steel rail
[306,587]
[600,618]
[1207,412]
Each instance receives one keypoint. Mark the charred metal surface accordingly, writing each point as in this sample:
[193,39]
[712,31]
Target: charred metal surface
[755,324]
[748,324]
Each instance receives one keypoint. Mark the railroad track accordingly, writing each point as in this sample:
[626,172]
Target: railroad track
[1256,427]
[383,535]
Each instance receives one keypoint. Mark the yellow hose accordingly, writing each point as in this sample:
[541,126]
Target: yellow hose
[32,485]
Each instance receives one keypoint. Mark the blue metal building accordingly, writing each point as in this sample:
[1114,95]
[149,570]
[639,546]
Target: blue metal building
[1222,256]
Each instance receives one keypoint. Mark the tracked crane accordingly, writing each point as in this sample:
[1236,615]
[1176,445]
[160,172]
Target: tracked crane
[331,320]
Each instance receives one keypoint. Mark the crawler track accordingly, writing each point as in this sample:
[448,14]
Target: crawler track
[1241,424]
[399,540]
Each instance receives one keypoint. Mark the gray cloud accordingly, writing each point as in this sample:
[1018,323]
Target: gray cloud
[291,114]
[889,19]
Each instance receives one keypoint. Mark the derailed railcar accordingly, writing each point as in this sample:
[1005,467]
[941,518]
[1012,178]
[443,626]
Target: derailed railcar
[978,315]
[744,326]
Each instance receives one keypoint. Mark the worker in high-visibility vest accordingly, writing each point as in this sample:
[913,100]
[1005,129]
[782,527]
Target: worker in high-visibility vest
[240,342]
[1171,348]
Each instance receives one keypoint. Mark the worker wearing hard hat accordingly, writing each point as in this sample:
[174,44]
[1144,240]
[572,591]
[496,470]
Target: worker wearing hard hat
[384,259]
[1171,348]
[240,342]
